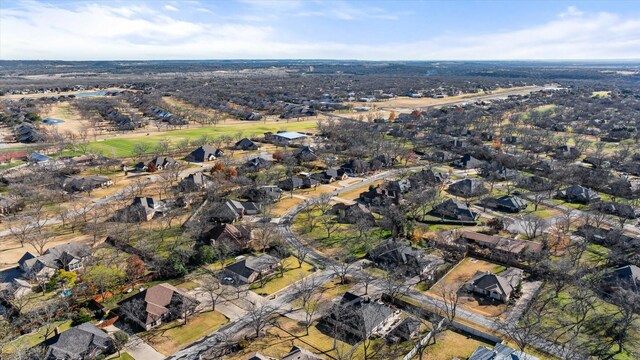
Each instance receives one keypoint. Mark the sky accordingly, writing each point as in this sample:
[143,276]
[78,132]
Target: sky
[318,29]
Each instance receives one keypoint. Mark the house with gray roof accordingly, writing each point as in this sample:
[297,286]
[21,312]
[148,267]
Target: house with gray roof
[70,257]
[578,194]
[10,205]
[85,341]
[157,164]
[300,353]
[85,183]
[497,287]
[627,277]
[500,352]
[468,188]
[288,137]
[246,144]
[455,210]
[354,318]
[142,209]
[467,162]
[195,182]
[204,153]
[252,268]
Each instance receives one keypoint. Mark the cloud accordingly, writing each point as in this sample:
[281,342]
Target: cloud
[571,11]
[98,31]
[170,8]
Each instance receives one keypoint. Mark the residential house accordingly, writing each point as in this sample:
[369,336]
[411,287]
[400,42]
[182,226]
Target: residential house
[232,210]
[252,268]
[258,356]
[467,162]
[263,194]
[578,194]
[291,183]
[455,210]
[427,177]
[398,256]
[141,209]
[406,330]
[234,237]
[354,318]
[204,153]
[355,167]
[618,209]
[496,287]
[10,205]
[85,183]
[566,152]
[511,203]
[27,134]
[15,288]
[503,247]
[306,154]
[85,341]
[378,195]
[195,182]
[627,277]
[300,353]
[500,352]
[330,175]
[468,188]
[158,304]
[70,257]
[352,214]
[157,164]
[246,144]
[257,163]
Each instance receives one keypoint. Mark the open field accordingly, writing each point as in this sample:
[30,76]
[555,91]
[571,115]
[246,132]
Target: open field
[64,111]
[122,146]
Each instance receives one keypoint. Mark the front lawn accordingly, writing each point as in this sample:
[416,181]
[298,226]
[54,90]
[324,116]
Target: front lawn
[28,341]
[169,338]
[291,274]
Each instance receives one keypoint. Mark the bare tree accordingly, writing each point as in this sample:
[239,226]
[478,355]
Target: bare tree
[312,301]
[300,252]
[450,293]
[532,225]
[259,317]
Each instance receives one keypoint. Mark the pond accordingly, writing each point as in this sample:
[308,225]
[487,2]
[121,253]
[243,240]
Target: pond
[51,121]
[93,93]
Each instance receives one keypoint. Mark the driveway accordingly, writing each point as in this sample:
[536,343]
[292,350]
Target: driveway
[137,348]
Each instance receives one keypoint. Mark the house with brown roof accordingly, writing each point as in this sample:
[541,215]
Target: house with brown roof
[157,305]
[502,246]
[300,353]
[234,237]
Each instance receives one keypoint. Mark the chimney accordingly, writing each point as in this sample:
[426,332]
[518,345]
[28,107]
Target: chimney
[57,331]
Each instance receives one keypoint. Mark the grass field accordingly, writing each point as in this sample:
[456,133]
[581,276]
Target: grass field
[123,146]
[168,338]
[123,356]
[292,274]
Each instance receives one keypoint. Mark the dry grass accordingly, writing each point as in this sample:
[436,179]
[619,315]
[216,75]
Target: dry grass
[452,345]
[285,204]
[355,193]
[462,274]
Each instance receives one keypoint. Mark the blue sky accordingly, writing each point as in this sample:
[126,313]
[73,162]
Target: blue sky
[281,29]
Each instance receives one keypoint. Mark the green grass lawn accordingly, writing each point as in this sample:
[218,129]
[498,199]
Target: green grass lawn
[28,341]
[123,147]
[11,165]
[170,337]
[123,356]
[292,274]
